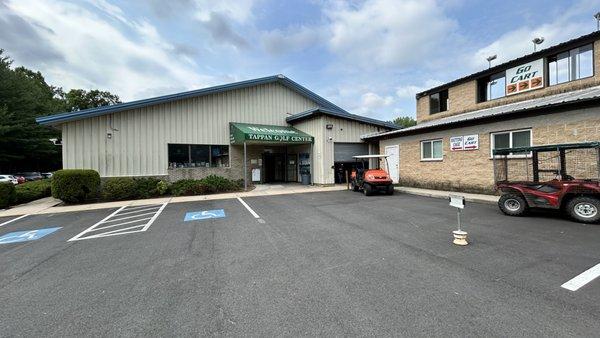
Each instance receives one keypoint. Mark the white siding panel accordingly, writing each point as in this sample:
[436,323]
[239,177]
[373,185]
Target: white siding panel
[139,142]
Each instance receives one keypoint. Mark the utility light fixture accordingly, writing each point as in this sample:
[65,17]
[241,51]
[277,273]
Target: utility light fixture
[537,41]
[490,59]
[597,17]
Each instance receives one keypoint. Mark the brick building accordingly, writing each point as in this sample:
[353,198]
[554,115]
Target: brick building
[547,97]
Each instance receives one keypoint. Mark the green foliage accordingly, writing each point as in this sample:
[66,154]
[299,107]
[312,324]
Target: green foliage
[31,191]
[7,195]
[208,185]
[163,187]
[216,183]
[119,188]
[188,187]
[25,95]
[146,187]
[75,185]
[124,188]
[404,121]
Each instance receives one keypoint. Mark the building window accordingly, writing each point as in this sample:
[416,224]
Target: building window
[491,87]
[578,63]
[510,139]
[438,102]
[431,150]
[198,155]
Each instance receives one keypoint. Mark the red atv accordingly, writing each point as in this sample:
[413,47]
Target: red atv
[561,176]
[371,180]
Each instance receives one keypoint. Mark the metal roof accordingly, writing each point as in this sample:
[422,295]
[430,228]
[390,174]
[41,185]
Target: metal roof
[317,111]
[81,114]
[515,62]
[576,96]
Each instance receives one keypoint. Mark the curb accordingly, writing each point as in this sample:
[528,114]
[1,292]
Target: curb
[488,199]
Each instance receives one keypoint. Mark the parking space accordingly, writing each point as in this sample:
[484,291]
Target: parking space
[333,263]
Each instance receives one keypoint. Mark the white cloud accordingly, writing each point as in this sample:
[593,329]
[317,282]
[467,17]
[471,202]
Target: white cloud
[96,54]
[409,91]
[372,100]
[388,33]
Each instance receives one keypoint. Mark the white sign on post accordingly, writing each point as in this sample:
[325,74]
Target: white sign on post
[471,142]
[456,143]
[457,201]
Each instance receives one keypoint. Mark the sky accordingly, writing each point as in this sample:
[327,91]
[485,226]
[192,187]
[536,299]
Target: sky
[369,57]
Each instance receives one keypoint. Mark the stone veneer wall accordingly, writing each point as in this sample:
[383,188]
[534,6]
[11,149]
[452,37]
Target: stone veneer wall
[472,171]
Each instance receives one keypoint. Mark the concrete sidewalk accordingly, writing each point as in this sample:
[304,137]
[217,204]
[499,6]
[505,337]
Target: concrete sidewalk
[50,205]
[479,198]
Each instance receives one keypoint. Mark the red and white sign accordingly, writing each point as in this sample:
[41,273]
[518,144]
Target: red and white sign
[456,143]
[471,142]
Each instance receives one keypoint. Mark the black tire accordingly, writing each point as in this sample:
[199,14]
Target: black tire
[513,205]
[584,209]
[390,190]
[367,189]
[354,186]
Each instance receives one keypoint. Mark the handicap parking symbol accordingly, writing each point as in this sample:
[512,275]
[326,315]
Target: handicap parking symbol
[24,236]
[206,214]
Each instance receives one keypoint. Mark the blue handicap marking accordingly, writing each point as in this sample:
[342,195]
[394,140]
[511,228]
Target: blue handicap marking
[24,236]
[206,214]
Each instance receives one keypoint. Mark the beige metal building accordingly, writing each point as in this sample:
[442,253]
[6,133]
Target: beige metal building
[547,97]
[282,129]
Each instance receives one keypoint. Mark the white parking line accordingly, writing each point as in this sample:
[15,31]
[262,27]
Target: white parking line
[107,222]
[14,219]
[248,207]
[583,278]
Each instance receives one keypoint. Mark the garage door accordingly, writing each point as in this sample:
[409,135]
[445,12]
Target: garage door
[343,152]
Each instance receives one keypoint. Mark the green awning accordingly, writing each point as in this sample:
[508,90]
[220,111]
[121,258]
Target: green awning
[261,133]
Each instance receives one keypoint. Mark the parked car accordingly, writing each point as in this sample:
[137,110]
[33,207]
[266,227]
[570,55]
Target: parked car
[30,175]
[47,175]
[8,179]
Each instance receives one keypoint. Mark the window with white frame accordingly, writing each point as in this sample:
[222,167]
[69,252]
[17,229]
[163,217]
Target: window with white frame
[431,150]
[510,139]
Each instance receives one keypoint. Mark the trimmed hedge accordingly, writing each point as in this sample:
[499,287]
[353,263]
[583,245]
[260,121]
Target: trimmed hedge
[75,185]
[124,188]
[7,195]
[31,191]
[208,185]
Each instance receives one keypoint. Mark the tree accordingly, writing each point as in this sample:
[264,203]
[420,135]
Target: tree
[404,121]
[25,95]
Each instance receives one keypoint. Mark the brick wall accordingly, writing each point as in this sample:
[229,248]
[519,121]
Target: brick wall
[463,97]
[473,170]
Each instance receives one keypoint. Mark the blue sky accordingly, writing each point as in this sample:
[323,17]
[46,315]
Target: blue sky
[370,57]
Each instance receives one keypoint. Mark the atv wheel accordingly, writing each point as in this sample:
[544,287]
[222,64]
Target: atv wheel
[512,205]
[584,209]
[367,189]
[390,190]
[354,186]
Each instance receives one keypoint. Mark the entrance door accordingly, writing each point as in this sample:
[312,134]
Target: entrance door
[274,167]
[393,159]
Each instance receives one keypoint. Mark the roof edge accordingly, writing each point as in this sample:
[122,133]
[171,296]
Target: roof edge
[314,111]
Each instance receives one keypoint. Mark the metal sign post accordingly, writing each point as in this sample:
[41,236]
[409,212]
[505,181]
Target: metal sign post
[458,202]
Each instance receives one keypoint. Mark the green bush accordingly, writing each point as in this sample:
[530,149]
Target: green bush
[188,187]
[75,185]
[163,187]
[216,184]
[146,187]
[119,188]
[31,191]
[7,195]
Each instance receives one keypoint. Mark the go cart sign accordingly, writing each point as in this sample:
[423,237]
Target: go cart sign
[525,77]
[468,142]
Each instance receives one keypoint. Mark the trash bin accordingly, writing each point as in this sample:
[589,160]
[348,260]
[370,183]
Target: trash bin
[305,179]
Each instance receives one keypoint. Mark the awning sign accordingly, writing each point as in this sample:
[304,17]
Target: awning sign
[257,133]
[456,143]
[525,77]
[471,142]
[467,142]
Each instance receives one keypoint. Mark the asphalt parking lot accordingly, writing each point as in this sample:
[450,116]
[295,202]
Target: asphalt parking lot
[334,263]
